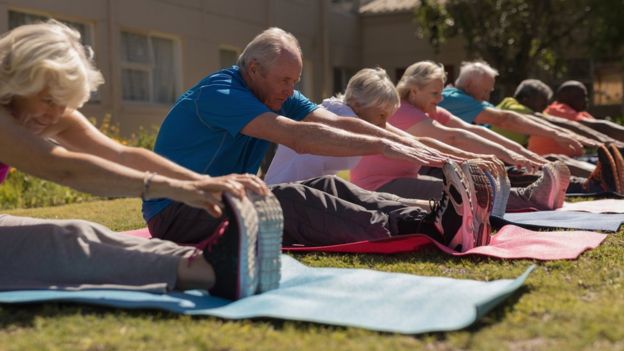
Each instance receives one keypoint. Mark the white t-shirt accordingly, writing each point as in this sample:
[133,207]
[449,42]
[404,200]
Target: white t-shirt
[289,166]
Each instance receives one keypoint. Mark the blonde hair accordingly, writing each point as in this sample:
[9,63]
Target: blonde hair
[371,87]
[420,74]
[48,55]
[470,71]
[266,47]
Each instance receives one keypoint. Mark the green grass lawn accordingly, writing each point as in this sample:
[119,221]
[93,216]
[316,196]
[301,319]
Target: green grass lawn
[564,305]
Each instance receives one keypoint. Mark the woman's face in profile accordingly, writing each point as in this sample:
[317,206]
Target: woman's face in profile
[36,112]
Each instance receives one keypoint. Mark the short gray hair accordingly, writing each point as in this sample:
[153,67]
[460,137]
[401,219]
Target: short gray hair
[530,88]
[371,87]
[266,47]
[472,70]
[420,74]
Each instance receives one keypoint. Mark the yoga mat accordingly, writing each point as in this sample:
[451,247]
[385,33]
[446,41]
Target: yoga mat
[561,219]
[381,301]
[510,242]
[595,206]
[608,195]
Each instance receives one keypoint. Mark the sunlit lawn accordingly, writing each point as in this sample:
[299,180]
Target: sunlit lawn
[564,305]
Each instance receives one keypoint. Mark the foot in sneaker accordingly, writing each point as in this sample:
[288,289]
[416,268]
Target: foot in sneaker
[453,216]
[482,198]
[619,163]
[270,232]
[231,250]
[605,173]
[544,193]
[563,176]
[501,188]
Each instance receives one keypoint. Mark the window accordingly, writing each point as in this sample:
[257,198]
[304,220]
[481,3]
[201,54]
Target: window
[227,57]
[345,5]
[17,19]
[341,78]
[149,68]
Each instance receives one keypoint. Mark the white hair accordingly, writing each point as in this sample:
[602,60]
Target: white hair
[420,74]
[47,55]
[266,47]
[470,71]
[371,87]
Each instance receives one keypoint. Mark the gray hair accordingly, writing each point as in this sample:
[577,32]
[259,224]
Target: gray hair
[530,88]
[49,55]
[371,87]
[266,47]
[420,74]
[470,71]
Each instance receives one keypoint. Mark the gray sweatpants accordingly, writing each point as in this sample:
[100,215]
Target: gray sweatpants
[76,254]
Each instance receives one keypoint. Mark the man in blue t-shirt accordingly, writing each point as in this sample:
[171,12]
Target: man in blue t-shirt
[225,123]
[468,101]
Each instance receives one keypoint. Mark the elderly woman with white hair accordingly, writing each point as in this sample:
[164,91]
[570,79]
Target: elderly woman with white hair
[46,74]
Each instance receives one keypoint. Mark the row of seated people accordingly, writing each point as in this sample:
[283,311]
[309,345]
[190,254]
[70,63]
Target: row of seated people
[199,186]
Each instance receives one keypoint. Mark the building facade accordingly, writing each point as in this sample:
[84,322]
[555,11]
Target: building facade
[150,51]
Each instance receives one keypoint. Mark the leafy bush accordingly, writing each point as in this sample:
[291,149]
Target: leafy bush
[21,190]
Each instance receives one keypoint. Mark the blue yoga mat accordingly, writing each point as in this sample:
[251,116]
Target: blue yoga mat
[562,219]
[389,302]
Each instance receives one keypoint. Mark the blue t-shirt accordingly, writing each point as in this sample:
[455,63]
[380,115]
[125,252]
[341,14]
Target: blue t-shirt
[462,105]
[202,130]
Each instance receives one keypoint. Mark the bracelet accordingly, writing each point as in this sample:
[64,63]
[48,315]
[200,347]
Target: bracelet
[147,181]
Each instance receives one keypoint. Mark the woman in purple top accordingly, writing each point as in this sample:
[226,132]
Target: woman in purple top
[46,74]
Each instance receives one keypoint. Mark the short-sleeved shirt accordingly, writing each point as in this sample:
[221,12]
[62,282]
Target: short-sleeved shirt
[373,171]
[511,104]
[409,115]
[544,145]
[202,131]
[462,105]
[289,166]
[562,110]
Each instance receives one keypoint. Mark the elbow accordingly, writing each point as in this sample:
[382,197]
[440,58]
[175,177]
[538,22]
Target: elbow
[299,147]
[507,120]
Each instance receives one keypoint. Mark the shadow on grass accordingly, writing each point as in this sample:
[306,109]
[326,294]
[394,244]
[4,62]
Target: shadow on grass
[24,315]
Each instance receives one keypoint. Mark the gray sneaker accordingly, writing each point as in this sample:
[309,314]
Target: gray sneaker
[270,232]
[231,250]
[563,174]
[501,188]
[545,192]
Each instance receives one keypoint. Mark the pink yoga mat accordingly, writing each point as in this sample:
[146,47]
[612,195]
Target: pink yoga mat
[511,242]
[595,206]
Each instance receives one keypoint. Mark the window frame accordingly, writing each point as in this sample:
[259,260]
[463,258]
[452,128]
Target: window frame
[149,67]
[230,48]
[87,39]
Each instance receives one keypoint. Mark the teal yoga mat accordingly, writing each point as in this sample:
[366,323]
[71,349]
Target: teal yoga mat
[381,301]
